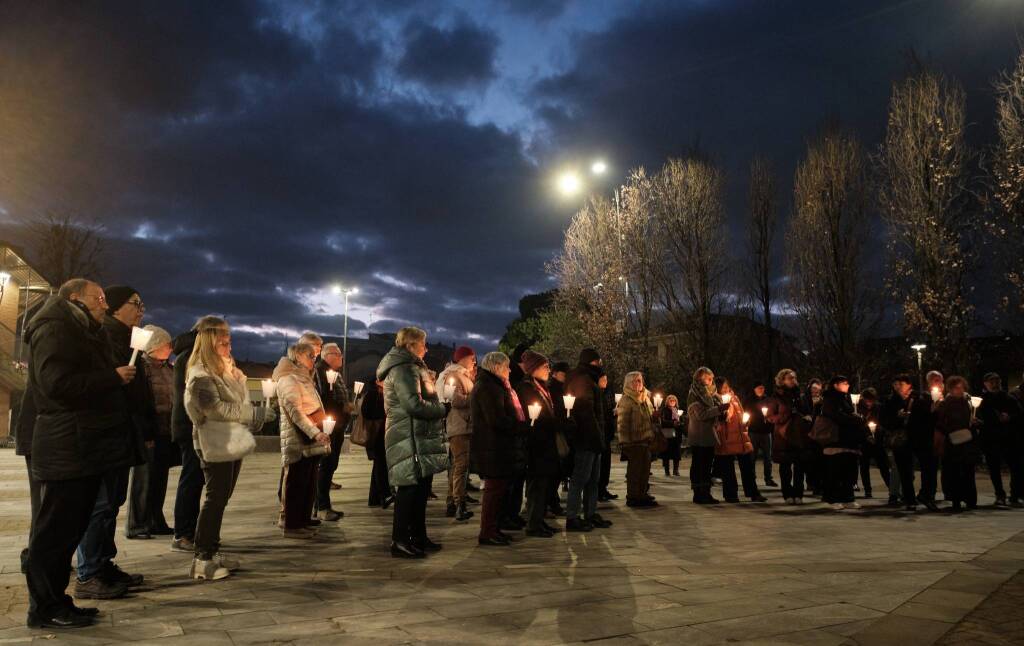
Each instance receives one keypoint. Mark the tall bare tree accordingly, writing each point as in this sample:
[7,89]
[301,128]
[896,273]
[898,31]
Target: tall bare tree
[762,202]
[689,210]
[67,246]
[1007,222]
[924,192]
[830,286]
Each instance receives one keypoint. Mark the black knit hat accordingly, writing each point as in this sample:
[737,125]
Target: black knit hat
[531,361]
[560,366]
[117,296]
[588,355]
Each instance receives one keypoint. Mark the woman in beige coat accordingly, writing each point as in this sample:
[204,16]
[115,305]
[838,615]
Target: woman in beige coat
[635,425]
[303,440]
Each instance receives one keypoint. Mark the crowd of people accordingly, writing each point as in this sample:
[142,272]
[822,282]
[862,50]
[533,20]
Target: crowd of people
[99,429]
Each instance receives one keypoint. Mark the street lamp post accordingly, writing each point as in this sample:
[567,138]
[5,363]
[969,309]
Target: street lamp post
[344,339]
[919,348]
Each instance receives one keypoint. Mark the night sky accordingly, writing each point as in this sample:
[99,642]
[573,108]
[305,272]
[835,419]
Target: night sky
[244,156]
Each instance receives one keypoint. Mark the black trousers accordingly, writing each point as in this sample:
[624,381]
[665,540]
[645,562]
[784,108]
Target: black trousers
[33,495]
[905,457]
[328,465]
[513,505]
[1004,451]
[840,474]
[958,484]
[65,508]
[874,452]
[190,492]
[700,469]
[410,520]
[606,468]
[148,490]
[747,477]
[537,489]
[380,488]
[792,476]
[221,478]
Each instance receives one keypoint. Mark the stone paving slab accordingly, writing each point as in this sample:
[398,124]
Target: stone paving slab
[678,574]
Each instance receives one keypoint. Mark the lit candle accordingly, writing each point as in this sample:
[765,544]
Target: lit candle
[618,396]
[855,399]
[657,400]
[568,400]
[449,390]
[269,387]
[726,398]
[332,376]
[976,402]
[872,426]
[140,339]
[746,417]
[357,387]
[764,411]
[329,424]
[534,412]
[936,394]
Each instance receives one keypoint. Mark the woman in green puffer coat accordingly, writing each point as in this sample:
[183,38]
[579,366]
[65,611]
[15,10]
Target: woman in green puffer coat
[413,439]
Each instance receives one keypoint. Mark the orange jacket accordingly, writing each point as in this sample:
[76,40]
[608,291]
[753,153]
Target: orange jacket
[732,433]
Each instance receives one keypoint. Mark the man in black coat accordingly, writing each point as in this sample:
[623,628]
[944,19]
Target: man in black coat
[82,431]
[1000,417]
[98,576]
[336,404]
[588,441]
[909,424]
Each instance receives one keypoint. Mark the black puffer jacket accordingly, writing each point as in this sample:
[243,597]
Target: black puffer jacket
[588,410]
[838,407]
[140,395]
[497,449]
[82,424]
[181,425]
[542,445]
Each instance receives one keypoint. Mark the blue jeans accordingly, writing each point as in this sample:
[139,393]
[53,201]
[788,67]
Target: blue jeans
[97,547]
[583,484]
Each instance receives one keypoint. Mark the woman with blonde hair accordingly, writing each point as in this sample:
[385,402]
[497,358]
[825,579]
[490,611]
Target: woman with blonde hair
[635,424]
[217,402]
[705,413]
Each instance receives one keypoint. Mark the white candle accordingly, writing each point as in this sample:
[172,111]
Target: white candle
[449,390]
[269,387]
[357,387]
[657,400]
[534,412]
[332,376]
[140,339]
[872,426]
[764,411]
[569,401]
[329,425]
[618,396]
[936,394]
[855,399]
[726,398]
[976,402]
[746,417]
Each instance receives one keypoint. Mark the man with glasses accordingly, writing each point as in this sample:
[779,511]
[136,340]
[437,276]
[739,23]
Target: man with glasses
[98,576]
[336,403]
[80,433]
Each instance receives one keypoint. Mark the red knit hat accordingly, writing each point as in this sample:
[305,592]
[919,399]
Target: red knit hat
[462,352]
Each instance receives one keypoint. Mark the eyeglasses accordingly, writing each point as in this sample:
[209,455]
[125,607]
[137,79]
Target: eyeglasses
[139,305]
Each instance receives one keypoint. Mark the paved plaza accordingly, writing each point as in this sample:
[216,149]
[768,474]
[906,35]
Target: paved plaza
[677,574]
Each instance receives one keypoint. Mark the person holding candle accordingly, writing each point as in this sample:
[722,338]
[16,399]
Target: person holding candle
[588,440]
[149,481]
[956,424]
[760,431]
[414,440]
[80,433]
[371,410]
[556,387]
[813,458]
[303,437]
[909,425]
[1000,417]
[873,447]
[635,426]
[96,568]
[841,450]
[543,461]
[734,445]
[217,402]
[457,378]
[789,435]
[670,422]
[705,413]
[338,405]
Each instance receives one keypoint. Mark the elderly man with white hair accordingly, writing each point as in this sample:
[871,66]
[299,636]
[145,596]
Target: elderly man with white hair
[335,397]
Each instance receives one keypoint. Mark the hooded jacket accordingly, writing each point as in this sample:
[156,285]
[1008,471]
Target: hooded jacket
[82,425]
[413,437]
[298,399]
[181,425]
[460,421]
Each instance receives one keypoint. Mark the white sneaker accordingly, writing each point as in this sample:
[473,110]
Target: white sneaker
[790,501]
[853,505]
[208,570]
[227,561]
[838,506]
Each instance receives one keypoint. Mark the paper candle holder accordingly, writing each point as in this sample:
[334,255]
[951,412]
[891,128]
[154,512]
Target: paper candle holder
[140,339]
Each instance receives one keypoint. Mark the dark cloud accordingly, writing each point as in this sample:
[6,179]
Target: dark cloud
[460,56]
[538,9]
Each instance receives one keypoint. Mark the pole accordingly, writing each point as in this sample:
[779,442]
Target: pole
[920,373]
[344,343]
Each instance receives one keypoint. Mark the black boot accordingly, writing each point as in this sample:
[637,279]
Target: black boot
[462,513]
[450,511]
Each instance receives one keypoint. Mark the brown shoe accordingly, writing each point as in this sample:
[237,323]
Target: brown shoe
[97,588]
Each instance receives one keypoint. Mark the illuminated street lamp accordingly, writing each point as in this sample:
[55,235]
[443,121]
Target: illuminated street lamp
[344,342]
[599,167]
[569,183]
[919,348]
[4,279]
